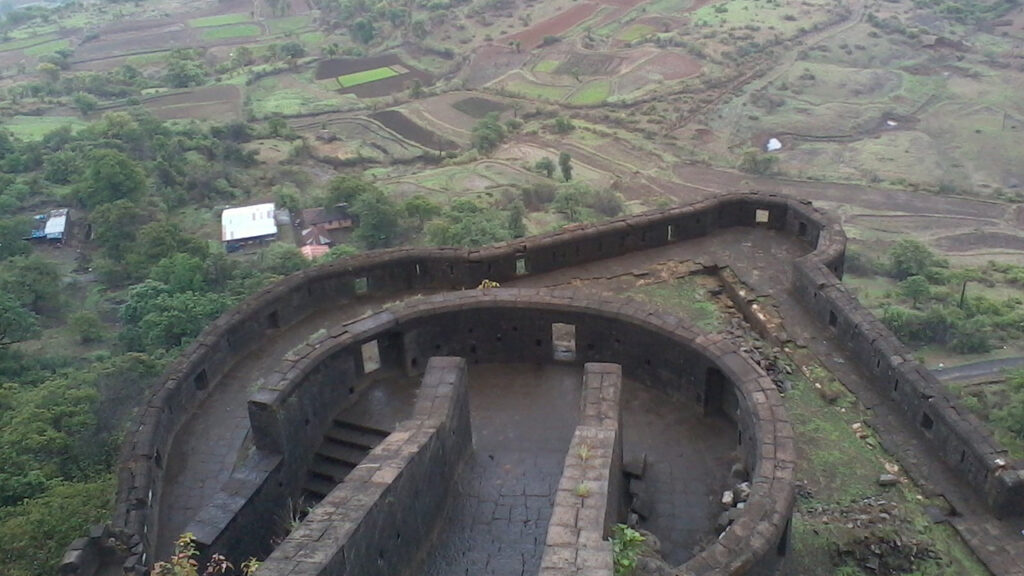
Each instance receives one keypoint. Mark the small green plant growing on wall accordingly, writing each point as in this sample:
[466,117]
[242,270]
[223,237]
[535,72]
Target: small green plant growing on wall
[582,490]
[627,544]
[583,452]
[185,563]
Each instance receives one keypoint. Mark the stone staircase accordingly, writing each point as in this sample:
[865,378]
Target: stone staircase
[344,446]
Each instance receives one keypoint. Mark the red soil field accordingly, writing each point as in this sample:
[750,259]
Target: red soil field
[401,124]
[532,36]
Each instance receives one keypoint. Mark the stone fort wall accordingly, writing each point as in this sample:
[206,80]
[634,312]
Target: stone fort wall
[959,439]
[502,325]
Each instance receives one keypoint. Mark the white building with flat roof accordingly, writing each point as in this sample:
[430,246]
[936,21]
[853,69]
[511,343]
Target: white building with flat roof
[247,224]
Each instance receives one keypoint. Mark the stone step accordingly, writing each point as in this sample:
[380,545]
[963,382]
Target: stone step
[342,452]
[331,469]
[318,487]
[356,434]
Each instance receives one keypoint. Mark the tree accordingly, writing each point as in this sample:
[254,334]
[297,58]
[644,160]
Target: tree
[1011,414]
[292,50]
[378,219]
[911,258]
[345,189]
[157,318]
[35,532]
[114,227]
[49,71]
[488,133]
[184,69]
[180,273]
[516,219]
[421,209]
[16,323]
[363,31]
[546,166]
[110,176]
[466,223]
[565,165]
[572,201]
[87,326]
[12,232]
[563,125]
[282,259]
[753,162]
[62,167]
[86,103]
[915,289]
[241,57]
[33,281]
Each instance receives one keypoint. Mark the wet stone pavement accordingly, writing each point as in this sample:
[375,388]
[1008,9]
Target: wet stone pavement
[523,417]
[688,462]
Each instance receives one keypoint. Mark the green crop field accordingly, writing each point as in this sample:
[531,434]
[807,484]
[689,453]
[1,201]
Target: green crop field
[592,93]
[46,48]
[365,77]
[35,127]
[635,32]
[218,20]
[546,66]
[288,24]
[231,31]
[27,42]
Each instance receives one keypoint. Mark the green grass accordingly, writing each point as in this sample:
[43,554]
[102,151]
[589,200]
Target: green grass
[146,59]
[365,77]
[32,31]
[635,32]
[288,25]
[546,66]
[27,42]
[685,296]
[529,89]
[46,48]
[592,93]
[232,31]
[219,20]
[35,127]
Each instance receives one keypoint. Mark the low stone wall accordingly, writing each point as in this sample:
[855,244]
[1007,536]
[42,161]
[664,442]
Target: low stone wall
[379,520]
[590,493]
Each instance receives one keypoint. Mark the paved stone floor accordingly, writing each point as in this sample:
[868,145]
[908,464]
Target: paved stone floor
[523,417]
[688,462]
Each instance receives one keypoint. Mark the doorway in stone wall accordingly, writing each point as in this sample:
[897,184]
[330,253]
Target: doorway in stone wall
[563,341]
[714,391]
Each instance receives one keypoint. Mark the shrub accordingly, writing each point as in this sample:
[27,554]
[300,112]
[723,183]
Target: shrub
[627,544]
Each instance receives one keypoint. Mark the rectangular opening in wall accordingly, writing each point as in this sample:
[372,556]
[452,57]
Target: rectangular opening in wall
[761,216]
[802,229]
[926,421]
[362,285]
[521,266]
[371,356]
[200,380]
[273,320]
[563,341]
[714,391]
[832,319]
[671,233]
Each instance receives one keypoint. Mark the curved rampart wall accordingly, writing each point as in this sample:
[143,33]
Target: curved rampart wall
[239,331]
[515,325]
